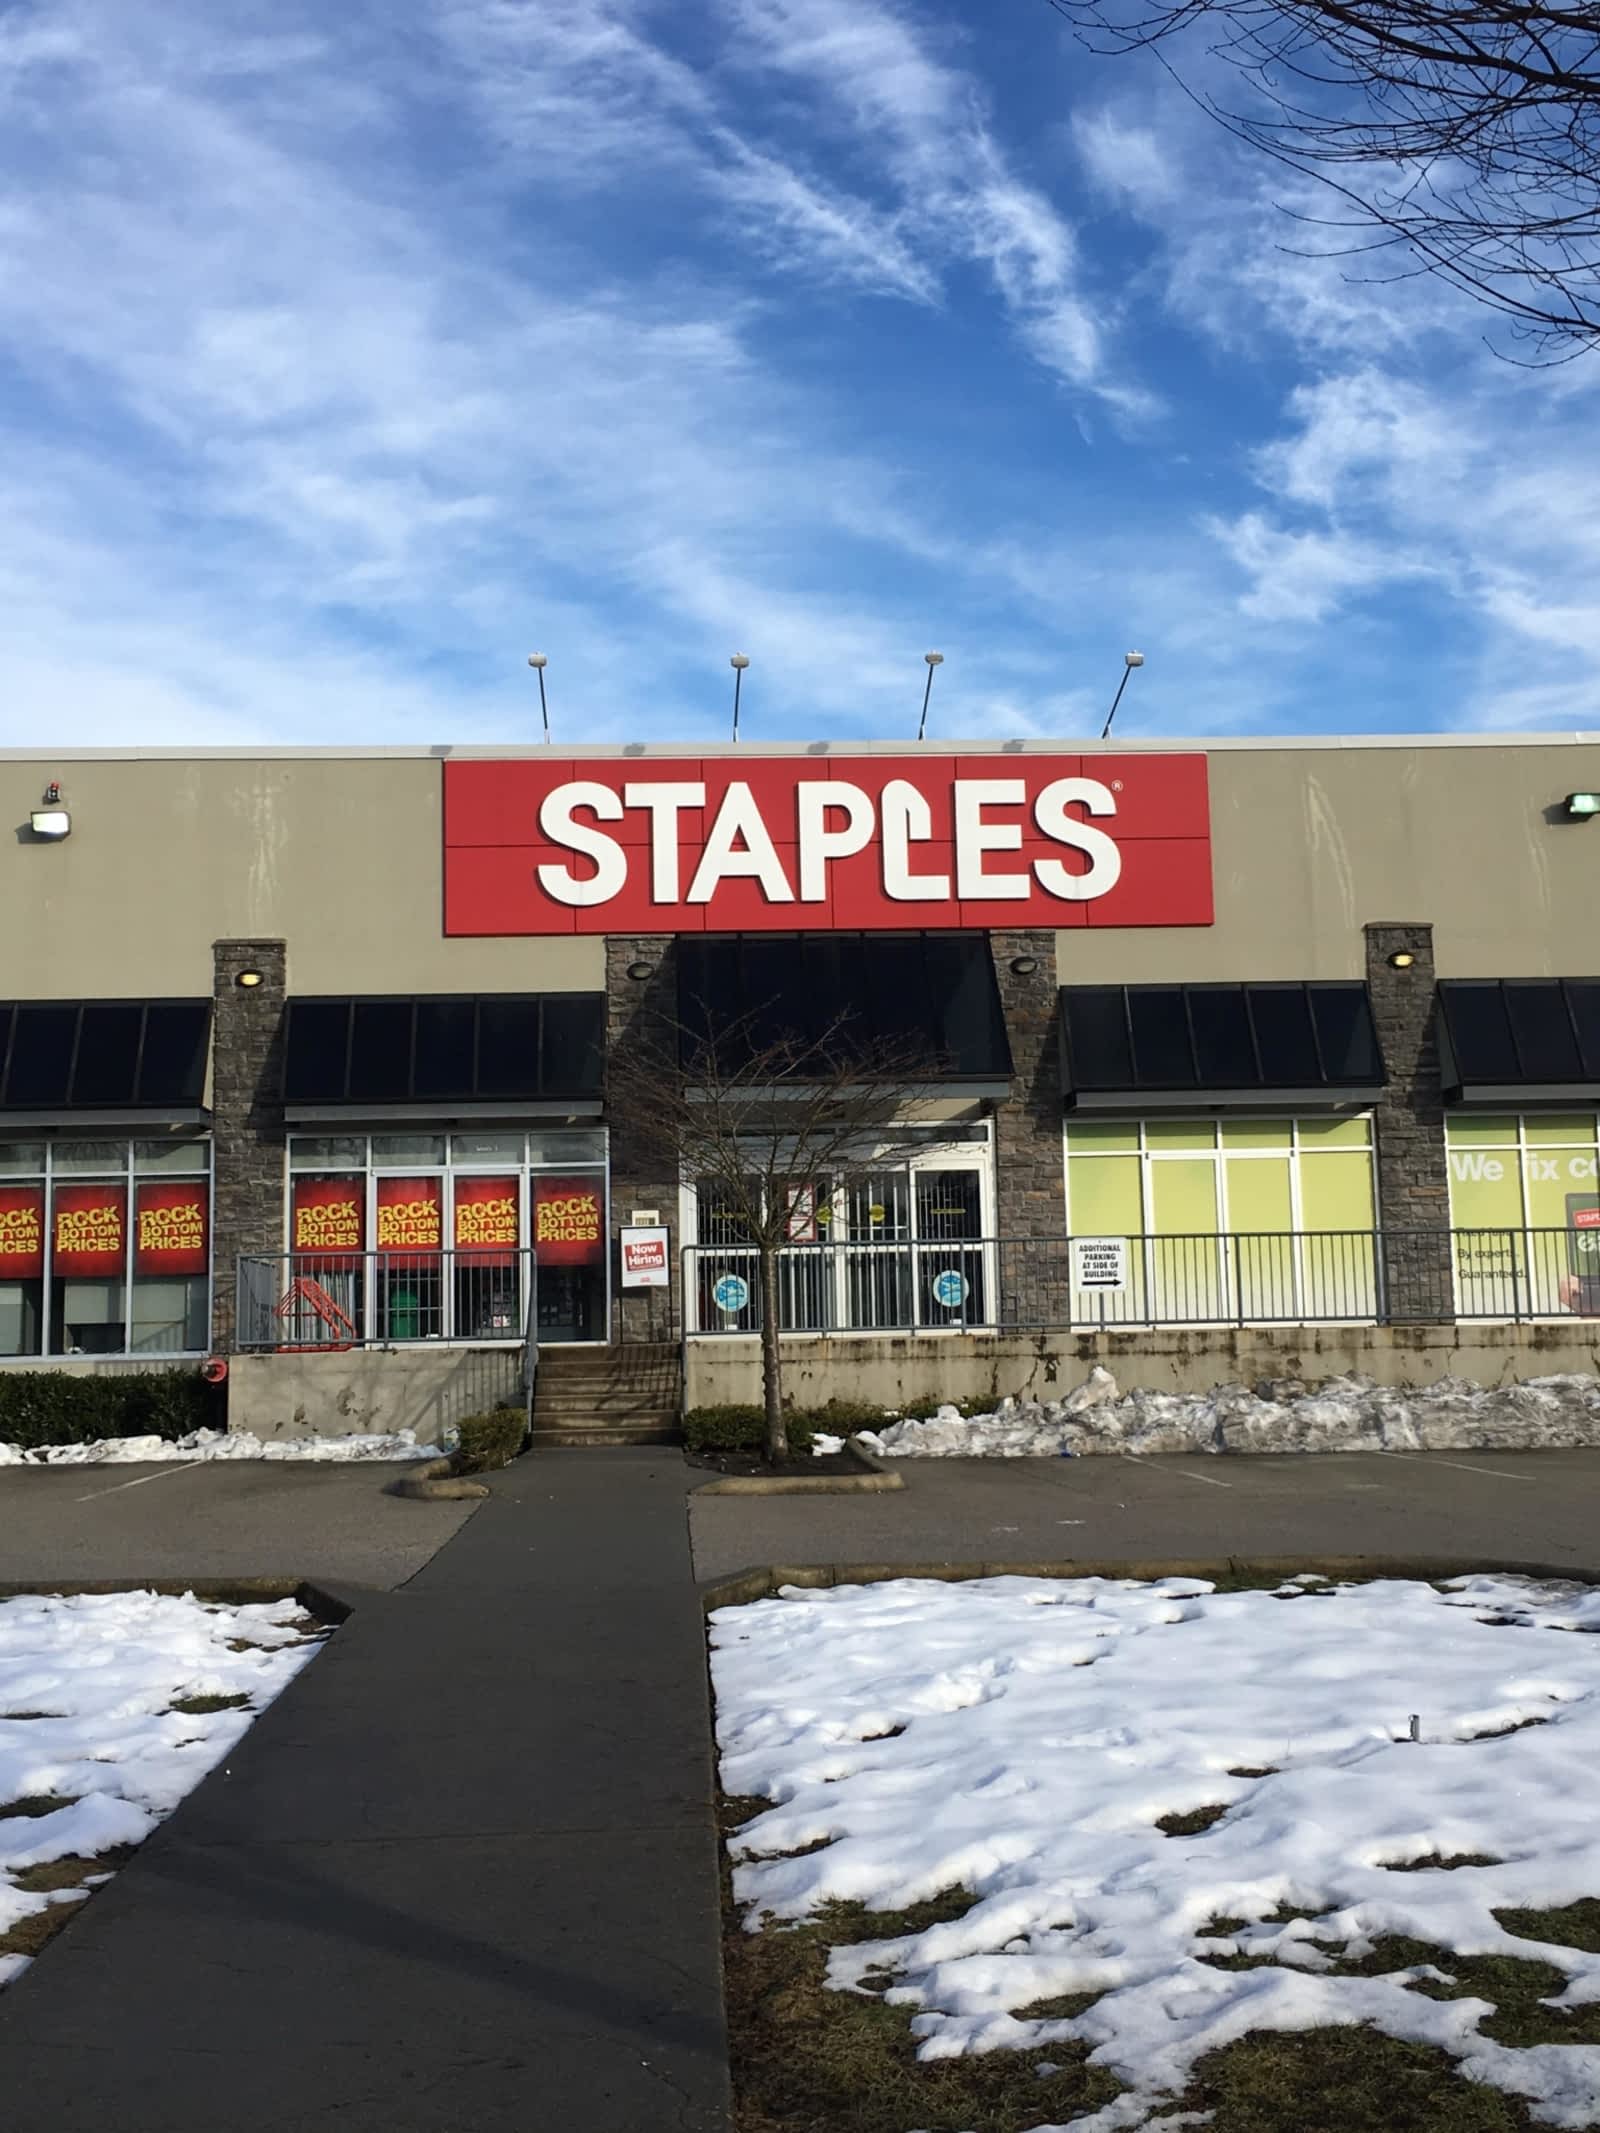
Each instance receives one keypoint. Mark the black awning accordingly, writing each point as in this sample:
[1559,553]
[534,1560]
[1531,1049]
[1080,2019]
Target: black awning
[929,998]
[1503,1038]
[1219,1044]
[103,1055]
[444,1048]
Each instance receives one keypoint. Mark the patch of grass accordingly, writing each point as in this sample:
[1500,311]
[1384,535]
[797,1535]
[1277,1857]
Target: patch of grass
[1517,1725]
[36,1803]
[30,1934]
[1438,1862]
[201,1706]
[1348,2080]
[69,1873]
[1191,1822]
[807,2060]
[1253,1770]
[1063,2007]
[16,1717]
[1575,1925]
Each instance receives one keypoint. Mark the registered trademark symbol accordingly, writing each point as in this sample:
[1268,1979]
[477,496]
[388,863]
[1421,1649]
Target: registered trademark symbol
[1116,785]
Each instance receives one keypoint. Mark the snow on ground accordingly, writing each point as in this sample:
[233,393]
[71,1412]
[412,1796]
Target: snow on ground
[1342,1414]
[87,1686]
[218,1444]
[1021,1737]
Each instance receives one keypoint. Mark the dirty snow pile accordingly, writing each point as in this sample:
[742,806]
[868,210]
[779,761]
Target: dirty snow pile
[1342,1414]
[1020,1738]
[218,1444]
[87,1689]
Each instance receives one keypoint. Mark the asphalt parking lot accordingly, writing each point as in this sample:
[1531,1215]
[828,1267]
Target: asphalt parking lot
[1499,1506]
[272,1519]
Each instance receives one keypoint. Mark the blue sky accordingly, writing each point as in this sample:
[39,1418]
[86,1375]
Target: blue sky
[348,354]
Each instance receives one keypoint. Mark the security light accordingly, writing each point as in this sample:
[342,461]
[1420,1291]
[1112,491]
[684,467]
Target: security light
[249,979]
[1402,959]
[51,822]
[640,971]
[1581,805]
[1024,965]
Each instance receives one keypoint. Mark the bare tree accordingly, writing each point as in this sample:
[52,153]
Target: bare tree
[1463,134]
[767,1125]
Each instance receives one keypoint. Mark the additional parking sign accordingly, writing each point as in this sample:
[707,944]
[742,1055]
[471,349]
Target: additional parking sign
[731,1293]
[1100,1263]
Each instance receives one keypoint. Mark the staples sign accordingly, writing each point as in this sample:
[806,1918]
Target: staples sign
[808,844]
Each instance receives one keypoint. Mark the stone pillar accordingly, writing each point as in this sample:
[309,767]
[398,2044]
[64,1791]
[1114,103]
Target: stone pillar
[1030,1181]
[1413,1174]
[641,1011]
[246,1118]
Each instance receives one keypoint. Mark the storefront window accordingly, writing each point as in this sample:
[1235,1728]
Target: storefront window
[105,1247]
[1239,1217]
[910,1237]
[1525,1208]
[408,1237]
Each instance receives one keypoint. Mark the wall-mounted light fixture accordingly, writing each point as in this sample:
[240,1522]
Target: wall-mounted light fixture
[1581,805]
[50,819]
[640,971]
[249,979]
[1024,966]
[1402,959]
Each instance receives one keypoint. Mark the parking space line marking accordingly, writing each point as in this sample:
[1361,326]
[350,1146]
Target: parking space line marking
[185,1466]
[1210,1480]
[1494,1473]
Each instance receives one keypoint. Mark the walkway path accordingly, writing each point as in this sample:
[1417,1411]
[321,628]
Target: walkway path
[461,1877]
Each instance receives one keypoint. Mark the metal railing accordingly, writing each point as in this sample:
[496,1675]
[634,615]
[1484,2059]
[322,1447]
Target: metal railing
[1302,1277]
[355,1299]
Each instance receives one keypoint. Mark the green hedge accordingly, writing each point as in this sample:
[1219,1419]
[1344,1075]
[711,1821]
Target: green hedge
[742,1426]
[925,1410]
[491,1440]
[39,1407]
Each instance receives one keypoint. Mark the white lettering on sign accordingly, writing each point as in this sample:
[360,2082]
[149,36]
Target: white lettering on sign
[1100,1263]
[852,843]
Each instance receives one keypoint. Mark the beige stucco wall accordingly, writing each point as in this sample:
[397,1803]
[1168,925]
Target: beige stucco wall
[893,1368]
[349,1392]
[339,853]
[339,856]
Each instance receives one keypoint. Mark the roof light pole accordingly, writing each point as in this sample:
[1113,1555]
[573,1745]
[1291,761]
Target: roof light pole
[1130,660]
[738,663]
[538,662]
[934,659]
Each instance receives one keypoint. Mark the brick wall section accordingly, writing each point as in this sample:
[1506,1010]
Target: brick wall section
[1030,1188]
[638,1009]
[246,1117]
[1413,1177]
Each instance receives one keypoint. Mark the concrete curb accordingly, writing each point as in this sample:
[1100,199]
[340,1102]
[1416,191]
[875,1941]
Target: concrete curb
[875,1479]
[435,1481]
[763,1582]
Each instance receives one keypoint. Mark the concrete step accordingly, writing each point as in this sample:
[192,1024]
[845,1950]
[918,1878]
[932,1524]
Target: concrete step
[576,1438]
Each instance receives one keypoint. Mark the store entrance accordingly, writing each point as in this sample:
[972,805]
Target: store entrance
[572,1303]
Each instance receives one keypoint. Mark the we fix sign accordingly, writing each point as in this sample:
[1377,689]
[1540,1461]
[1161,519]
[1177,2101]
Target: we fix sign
[807,844]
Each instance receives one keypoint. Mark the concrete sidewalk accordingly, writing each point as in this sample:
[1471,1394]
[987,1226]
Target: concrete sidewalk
[1506,1506]
[461,1877]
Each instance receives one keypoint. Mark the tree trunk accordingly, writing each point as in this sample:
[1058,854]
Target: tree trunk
[771,1366]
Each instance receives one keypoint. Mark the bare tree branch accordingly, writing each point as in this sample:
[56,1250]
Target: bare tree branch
[763,1121]
[1465,131]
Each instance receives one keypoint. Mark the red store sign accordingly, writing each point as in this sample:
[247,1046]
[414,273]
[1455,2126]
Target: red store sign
[814,844]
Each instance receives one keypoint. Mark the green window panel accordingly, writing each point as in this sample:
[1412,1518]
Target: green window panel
[1576,1129]
[1464,1131]
[1109,1138]
[1336,1192]
[1258,1133]
[1105,1197]
[1162,1134]
[1485,1188]
[1336,1132]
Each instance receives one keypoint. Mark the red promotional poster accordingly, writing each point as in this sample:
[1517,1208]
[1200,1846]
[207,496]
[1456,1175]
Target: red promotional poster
[90,1231]
[329,1215]
[568,1217]
[21,1232]
[486,1219]
[169,1228]
[817,844]
[410,1214]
